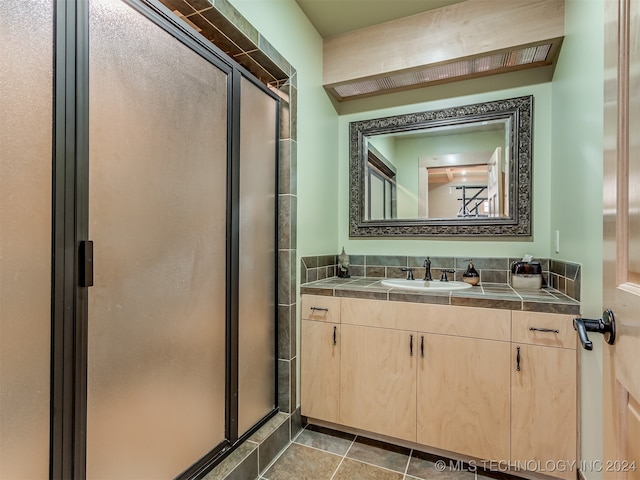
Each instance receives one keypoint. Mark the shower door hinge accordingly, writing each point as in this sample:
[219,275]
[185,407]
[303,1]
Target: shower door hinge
[85,263]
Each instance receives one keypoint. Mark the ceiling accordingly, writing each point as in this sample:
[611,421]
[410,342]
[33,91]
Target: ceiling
[332,17]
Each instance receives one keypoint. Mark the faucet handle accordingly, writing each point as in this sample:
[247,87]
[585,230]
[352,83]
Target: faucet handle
[444,278]
[409,272]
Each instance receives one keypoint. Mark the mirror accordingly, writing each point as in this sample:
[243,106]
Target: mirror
[456,171]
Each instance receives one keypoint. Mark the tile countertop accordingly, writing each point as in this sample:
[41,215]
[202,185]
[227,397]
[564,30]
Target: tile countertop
[486,295]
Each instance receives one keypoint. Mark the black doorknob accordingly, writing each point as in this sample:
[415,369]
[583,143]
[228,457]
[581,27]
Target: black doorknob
[605,325]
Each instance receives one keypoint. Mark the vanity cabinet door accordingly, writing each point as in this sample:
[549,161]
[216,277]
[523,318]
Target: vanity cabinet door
[320,370]
[463,395]
[543,407]
[378,380]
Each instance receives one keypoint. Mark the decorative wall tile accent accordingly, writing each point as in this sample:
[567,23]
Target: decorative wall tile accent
[557,274]
[284,385]
[317,267]
[566,277]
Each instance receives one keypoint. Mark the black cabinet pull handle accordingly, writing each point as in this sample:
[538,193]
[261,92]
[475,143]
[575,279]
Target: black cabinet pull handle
[548,330]
[319,309]
[518,359]
[335,338]
[411,345]
[422,346]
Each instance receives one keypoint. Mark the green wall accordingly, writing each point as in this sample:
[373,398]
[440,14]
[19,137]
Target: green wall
[576,188]
[284,25]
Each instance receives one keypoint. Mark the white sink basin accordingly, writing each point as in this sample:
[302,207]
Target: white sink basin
[424,286]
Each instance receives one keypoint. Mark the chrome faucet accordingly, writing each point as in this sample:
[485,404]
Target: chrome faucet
[427,272]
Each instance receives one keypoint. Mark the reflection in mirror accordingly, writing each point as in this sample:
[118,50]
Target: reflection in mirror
[380,185]
[459,171]
[434,182]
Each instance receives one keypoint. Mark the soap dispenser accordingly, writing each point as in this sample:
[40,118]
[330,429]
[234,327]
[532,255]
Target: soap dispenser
[471,275]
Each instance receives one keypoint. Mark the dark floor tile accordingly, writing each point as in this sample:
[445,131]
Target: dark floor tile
[303,463]
[429,467]
[354,470]
[379,453]
[325,439]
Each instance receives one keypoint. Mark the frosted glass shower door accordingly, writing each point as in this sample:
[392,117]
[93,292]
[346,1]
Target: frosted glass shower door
[157,217]
[26,105]
[256,290]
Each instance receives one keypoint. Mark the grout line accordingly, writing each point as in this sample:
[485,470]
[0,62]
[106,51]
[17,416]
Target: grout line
[270,464]
[318,449]
[374,465]
[406,469]
[337,468]
[343,457]
[298,434]
[371,464]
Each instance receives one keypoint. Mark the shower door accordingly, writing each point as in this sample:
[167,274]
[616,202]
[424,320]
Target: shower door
[156,376]
[148,351]
[257,255]
[26,83]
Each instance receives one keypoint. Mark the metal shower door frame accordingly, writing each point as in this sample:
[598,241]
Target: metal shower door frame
[70,228]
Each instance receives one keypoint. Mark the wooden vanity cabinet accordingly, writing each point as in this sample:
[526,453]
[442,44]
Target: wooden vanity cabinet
[320,360]
[378,381]
[544,388]
[485,383]
[463,395]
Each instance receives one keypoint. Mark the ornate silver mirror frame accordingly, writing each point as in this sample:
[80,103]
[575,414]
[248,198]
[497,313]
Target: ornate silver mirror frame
[518,112]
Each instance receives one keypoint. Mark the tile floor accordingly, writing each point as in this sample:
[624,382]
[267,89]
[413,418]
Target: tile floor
[322,454]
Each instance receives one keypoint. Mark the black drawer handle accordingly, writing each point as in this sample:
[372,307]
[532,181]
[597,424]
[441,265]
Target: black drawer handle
[319,309]
[547,330]
[411,345]
[518,359]
[335,339]
[422,346]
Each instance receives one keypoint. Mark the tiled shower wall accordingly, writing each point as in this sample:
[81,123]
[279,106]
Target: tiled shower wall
[562,276]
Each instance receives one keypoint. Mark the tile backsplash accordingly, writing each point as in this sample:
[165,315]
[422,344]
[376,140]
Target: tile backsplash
[557,274]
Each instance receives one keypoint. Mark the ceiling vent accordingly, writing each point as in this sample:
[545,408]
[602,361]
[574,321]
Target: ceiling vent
[470,39]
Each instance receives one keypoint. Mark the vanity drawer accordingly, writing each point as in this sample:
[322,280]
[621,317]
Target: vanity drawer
[321,308]
[548,329]
[486,323]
